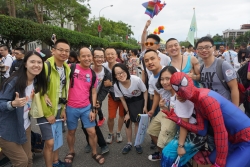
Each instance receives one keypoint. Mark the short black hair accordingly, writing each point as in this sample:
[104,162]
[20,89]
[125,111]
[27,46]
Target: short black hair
[205,39]
[123,67]
[155,37]
[135,51]
[99,49]
[243,44]
[170,69]
[150,50]
[190,46]
[111,48]
[171,39]
[5,47]
[61,41]
[20,49]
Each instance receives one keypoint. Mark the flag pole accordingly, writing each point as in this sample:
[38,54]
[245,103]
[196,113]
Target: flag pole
[196,26]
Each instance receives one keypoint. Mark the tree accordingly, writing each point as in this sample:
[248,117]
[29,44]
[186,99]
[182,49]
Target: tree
[11,7]
[218,38]
[243,38]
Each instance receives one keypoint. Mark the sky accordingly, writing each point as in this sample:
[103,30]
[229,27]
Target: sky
[212,16]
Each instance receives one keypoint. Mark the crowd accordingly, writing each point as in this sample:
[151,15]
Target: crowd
[190,94]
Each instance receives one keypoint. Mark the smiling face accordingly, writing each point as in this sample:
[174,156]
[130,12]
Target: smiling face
[152,44]
[61,52]
[152,61]
[34,65]
[165,80]
[98,57]
[173,48]
[85,57]
[120,74]
[110,55]
[205,49]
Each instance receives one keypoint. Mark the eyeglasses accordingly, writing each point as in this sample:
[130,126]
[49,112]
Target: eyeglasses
[150,43]
[62,50]
[205,47]
[15,53]
[98,57]
[119,74]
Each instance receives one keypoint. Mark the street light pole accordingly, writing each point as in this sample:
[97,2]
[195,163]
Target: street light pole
[99,26]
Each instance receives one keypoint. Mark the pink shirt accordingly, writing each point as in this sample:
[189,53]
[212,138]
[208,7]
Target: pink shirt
[79,94]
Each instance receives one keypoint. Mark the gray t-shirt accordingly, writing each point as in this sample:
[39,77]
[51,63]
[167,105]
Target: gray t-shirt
[210,80]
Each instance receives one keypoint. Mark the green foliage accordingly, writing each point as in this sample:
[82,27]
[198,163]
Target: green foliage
[218,38]
[184,43]
[23,31]
[243,38]
[120,45]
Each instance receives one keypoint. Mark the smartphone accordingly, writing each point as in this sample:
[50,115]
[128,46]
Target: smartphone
[127,123]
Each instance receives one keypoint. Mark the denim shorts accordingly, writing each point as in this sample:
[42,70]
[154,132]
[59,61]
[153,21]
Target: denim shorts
[73,115]
[46,129]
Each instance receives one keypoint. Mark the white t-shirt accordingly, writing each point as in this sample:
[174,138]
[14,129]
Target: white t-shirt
[188,54]
[165,61]
[182,109]
[135,88]
[100,77]
[62,82]
[152,81]
[234,55]
[8,60]
[28,91]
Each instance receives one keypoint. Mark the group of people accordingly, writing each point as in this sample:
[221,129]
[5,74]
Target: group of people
[184,116]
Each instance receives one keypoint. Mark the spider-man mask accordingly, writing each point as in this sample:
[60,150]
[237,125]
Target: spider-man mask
[182,84]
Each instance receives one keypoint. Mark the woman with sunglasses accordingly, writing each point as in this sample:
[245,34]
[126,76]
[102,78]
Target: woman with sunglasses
[15,101]
[133,94]
[184,144]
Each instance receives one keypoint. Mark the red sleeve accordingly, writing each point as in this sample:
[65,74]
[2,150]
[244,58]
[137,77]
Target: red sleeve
[211,109]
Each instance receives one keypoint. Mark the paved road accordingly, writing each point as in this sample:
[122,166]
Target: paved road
[112,159]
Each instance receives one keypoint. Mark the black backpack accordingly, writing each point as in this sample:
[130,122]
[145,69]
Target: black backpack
[242,72]
[37,143]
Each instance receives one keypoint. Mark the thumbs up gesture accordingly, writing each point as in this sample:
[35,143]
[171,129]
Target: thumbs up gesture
[19,102]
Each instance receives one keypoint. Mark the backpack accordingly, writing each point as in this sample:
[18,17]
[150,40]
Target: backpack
[223,81]
[72,70]
[37,143]
[242,72]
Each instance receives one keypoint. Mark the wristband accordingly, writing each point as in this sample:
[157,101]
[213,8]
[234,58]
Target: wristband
[12,105]
[178,122]
[181,146]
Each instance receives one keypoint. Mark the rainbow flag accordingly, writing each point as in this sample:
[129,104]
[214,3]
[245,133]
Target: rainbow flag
[153,7]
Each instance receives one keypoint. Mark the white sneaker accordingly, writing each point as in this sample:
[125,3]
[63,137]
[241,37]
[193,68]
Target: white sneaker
[110,138]
[118,137]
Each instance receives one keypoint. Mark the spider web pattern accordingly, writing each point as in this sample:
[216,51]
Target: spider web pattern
[184,91]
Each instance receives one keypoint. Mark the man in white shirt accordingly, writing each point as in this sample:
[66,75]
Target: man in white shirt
[189,52]
[7,59]
[231,57]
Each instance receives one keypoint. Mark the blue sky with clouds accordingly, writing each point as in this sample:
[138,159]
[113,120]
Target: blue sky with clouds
[212,16]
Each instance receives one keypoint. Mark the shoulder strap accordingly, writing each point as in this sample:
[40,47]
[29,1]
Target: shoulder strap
[92,84]
[145,73]
[72,70]
[220,73]
[49,70]
[201,68]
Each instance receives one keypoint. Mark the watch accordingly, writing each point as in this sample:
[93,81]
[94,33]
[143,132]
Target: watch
[181,146]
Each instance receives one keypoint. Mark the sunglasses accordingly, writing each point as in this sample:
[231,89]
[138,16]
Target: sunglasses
[150,43]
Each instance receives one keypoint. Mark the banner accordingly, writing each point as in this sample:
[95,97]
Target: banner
[192,30]
[57,134]
[142,129]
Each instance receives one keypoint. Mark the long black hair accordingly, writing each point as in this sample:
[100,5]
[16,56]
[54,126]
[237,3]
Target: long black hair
[170,69]
[20,75]
[123,67]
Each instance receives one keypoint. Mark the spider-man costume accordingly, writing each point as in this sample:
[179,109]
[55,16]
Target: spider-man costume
[230,125]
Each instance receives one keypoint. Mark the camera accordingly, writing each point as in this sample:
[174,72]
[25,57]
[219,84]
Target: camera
[62,101]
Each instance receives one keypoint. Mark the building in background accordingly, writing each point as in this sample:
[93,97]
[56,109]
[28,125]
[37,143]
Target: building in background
[234,33]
